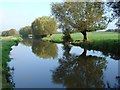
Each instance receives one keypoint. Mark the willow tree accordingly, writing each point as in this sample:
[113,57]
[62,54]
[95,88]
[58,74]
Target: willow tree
[25,31]
[79,16]
[43,26]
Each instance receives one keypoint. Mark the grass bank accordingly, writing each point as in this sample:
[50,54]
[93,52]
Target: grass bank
[96,36]
[107,42]
[5,48]
[108,47]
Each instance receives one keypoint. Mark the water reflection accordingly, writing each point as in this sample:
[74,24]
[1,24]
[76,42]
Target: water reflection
[27,41]
[71,70]
[79,71]
[44,49]
[41,48]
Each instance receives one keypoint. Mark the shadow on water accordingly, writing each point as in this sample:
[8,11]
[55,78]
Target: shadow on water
[80,71]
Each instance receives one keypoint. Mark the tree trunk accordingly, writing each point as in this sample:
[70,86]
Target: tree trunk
[84,53]
[84,35]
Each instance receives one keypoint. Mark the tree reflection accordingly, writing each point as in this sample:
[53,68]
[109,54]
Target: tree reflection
[27,41]
[80,71]
[66,49]
[44,49]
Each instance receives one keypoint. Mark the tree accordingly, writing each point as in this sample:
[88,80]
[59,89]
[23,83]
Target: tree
[4,33]
[25,31]
[79,16]
[116,11]
[115,6]
[43,26]
[11,32]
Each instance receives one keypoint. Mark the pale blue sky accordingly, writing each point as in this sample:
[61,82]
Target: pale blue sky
[19,13]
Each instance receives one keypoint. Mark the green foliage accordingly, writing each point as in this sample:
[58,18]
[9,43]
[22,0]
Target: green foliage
[25,31]
[67,38]
[11,32]
[79,16]
[7,43]
[43,26]
[106,46]
[115,7]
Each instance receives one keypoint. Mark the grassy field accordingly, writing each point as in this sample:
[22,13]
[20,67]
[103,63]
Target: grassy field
[5,48]
[91,36]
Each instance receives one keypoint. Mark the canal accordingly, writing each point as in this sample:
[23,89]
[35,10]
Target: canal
[40,64]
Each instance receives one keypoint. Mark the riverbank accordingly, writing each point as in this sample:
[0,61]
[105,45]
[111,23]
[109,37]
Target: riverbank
[107,42]
[5,48]
[108,47]
[96,36]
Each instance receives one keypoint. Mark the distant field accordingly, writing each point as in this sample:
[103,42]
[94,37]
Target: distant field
[90,35]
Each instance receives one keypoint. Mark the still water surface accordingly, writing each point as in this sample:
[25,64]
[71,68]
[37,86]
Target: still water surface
[38,64]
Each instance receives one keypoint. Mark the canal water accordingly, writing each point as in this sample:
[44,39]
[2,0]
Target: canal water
[40,64]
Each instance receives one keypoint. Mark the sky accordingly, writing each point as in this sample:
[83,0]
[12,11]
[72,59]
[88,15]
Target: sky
[19,13]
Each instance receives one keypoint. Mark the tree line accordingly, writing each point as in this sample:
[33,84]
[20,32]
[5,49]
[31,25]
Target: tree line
[69,17]
[40,27]
[11,32]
